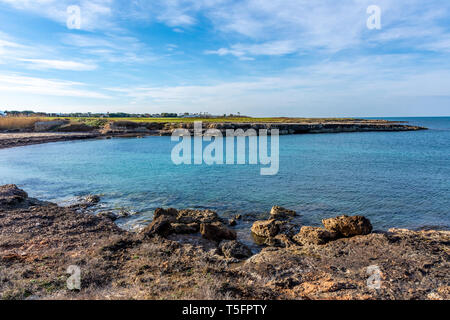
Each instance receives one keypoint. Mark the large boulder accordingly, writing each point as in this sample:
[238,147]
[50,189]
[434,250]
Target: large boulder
[171,214]
[11,195]
[185,228]
[314,235]
[278,212]
[41,126]
[348,226]
[216,231]
[265,228]
[235,249]
[160,226]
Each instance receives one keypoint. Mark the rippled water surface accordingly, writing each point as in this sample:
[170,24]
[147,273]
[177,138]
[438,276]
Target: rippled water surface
[399,179]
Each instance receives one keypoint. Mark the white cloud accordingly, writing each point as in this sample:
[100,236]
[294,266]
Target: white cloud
[48,87]
[59,64]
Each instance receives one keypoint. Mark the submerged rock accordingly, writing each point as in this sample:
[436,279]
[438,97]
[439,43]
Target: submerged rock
[314,235]
[348,226]
[216,231]
[11,195]
[235,249]
[278,212]
[108,215]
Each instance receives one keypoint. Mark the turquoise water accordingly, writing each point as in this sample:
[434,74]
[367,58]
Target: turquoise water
[397,179]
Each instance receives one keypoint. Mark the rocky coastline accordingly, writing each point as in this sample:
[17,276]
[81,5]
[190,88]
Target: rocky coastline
[61,130]
[196,254]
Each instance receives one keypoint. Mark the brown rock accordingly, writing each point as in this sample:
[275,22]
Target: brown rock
[170,214]
[160,226]
[197,216]
[266,228]
[182,228]
[11,195]
[314,235]
[280,212]
[216,231]
[232,222]
[235,249]
[348,226]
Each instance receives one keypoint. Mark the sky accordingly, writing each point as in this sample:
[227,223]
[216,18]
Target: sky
[258,57]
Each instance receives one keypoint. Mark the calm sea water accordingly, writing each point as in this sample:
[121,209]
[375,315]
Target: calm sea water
[397,179]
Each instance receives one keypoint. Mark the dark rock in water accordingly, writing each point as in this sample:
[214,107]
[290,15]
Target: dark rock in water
[314,235]
[281,213]
[92,199]
[238,217]
[183,228]
[232,222]
[11,195]
[160,226]
[216,231]
[108,215]
[235,249]
[348,226]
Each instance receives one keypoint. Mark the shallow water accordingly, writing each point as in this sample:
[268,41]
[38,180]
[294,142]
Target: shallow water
[399,179]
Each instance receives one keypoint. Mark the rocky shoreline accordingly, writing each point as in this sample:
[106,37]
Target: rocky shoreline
[54,131]
[195,254]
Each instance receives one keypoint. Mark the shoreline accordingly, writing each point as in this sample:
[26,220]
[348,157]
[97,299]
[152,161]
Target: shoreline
[124,129]
[194,254]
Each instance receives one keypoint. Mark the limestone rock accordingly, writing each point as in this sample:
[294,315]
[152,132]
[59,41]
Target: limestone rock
[314,235]
[235,249]
[160,226]
[278,212]
[216,231]
[265,228]
[348,226]
[183,228]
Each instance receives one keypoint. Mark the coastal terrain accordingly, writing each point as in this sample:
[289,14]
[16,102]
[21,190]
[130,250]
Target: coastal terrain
[194,254]
[23,131]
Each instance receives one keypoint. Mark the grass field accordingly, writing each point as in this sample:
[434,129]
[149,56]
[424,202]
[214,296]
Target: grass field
[17,123]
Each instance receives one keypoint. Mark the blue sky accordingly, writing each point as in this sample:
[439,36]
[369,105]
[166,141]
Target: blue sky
[257,57]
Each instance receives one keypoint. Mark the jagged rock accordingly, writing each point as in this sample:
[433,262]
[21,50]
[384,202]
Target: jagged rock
[182,228]
[278,212]
[265,228]
[11,195]
[232,222]
[160,226]
[216,231]
[170,213]
[238,217]
[197,216]
[348,226]
[235,249]
[314,235]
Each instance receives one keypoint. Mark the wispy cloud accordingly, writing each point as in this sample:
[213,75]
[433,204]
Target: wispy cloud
[59,64]
[49,87]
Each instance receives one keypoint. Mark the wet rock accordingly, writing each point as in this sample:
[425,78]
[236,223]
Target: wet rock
[265,228]
[11,195]
[108,215]
[235,249]
[314,235]
[160,226]
[232,222]
[182,228]
[278,212]
[348,226]
[216,231]
[238,217]
[92,199]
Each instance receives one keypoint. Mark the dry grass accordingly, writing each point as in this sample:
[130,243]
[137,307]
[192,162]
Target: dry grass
[14,123]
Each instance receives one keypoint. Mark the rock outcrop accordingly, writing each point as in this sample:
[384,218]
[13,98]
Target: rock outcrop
[348,226]
[11,195]
[235,249]
[314,235]
[281,213]
[216,231]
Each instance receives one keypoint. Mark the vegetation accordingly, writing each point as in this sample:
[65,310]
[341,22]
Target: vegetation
[13,123]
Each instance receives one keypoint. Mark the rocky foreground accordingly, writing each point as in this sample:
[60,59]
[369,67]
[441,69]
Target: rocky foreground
[193,254]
